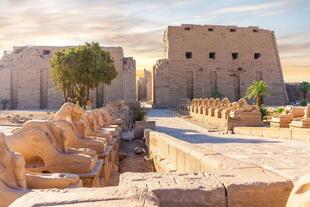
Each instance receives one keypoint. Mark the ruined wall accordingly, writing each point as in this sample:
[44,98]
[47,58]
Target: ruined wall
[149,86]
[27,83]
[204,58]
[5,80]
[129,79]
[294,93]
[161,84]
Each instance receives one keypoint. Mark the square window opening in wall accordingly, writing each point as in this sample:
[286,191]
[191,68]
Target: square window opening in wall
[255,30]
[257,56]
[210,29]
[233,30]
[212,55]
[187,28]
[46,52]
[234,55]
[188,55]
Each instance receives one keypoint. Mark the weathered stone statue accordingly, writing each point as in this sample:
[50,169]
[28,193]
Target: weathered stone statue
[303,122]
[193,105]
[284,119]
[215,104]
[225,103]
[43,154]
[15,182]
[300,195]
[69,118]
[243,114]
[182,106]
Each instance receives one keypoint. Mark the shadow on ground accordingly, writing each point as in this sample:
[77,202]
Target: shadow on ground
[197,137]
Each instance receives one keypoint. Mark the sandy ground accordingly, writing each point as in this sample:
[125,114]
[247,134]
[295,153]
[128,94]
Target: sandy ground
[131,162]
[17,117]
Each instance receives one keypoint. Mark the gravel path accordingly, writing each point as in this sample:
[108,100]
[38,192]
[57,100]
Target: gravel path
[290,158]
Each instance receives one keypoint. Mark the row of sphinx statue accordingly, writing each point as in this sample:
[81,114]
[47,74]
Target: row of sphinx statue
[221,112]
[76,148]
[293,117]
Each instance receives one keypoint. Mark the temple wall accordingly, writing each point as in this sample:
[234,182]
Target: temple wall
[161,84]
[28,85]
[129,79]
[200,59]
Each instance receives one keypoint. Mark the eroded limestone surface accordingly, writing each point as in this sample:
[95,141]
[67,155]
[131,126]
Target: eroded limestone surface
[95,197]
[180,189]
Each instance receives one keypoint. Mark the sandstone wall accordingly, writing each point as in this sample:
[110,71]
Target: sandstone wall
[161,84]
[129,79]
[294,93]
[201,60]
[27,83]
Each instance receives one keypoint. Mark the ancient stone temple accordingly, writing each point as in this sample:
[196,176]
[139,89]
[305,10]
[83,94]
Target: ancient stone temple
[25,79]
[205,59]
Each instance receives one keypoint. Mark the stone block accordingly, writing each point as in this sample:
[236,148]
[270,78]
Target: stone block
[301,134]
[195,156]
[95,197]
[255,187]
[179,189]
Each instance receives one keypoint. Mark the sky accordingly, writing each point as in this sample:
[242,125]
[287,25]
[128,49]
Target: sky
[138,25]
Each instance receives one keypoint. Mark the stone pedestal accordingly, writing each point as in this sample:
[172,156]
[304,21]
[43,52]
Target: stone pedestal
[92,179]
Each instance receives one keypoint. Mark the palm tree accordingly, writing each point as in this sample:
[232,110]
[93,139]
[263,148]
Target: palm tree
[257,90]
[304,87]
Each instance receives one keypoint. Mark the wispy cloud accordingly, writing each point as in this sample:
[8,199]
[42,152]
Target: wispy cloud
[138,26]
[254,7]
[246,8]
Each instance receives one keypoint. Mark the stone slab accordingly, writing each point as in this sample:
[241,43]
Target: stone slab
[179,189]
[84,197]
[255,187]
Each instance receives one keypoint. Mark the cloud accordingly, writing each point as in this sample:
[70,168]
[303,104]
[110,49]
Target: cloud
[293,48]
[137,26]
[254,7]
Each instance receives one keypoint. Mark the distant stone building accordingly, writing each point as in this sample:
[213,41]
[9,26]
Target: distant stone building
[204,59]
[25,79]
[144,86]
[293,92]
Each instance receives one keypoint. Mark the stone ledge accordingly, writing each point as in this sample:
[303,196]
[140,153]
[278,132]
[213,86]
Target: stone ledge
[255,187]
[95,197]
[282,133]
[246,184]
[179,189]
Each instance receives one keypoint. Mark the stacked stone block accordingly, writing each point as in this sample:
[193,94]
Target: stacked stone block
[206,58]
[26,82]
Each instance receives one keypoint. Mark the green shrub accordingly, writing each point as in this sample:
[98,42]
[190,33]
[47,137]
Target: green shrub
[264,112]
[216,94]
[304,102]
[279,110]
[4,102]
[138,115]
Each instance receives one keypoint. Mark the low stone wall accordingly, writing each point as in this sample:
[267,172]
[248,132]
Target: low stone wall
[245,184]
[282,133]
